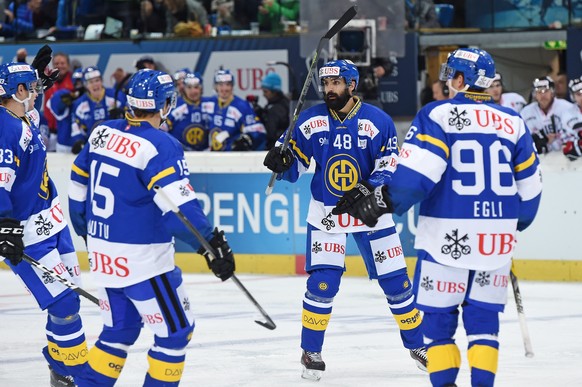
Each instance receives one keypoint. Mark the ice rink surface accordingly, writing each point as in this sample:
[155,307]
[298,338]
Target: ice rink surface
[362,346]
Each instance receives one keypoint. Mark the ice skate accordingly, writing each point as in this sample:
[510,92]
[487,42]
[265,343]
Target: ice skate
[419,356]
[313,365]
[58,380]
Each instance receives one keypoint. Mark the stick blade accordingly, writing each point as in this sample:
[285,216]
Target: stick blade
[342,21]
[269,324]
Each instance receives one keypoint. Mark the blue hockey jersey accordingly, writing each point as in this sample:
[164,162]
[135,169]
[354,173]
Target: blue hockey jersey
[112,200]
[26,191]
[89,112]
[362,146]
[228,121]
[472,166]
[188,123]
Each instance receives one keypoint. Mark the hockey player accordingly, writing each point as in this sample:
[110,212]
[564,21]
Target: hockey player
[511,100]
[31,219]
[179,80]
[472,166]
[233,122]
[573,121]
[544,117]
[60,106]
[352,144]
[188,122]
[130,234]
[96,104]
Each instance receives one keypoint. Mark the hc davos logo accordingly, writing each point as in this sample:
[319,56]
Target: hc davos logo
[342,173]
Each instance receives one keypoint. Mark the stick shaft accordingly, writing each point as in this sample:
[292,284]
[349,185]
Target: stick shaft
[521,316]
[64,281]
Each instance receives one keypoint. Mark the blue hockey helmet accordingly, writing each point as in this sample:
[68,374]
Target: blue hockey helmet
[477,67]
[223,76]
[193,79]
[13,74]
[77,74]
[181,74]
[340,68]
[91,72]
[149,90]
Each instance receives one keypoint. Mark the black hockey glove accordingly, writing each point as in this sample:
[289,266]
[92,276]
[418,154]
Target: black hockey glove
[243,143]
[67,99]
[11,244]
[78,146]
[365,202]
[541,142]
[279,162]
[40,62]
[223,265]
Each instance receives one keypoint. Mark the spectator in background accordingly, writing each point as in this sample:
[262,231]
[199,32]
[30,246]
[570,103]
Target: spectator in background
[544,117]
[187,12]
[370,79]
[421,14]
[224,10]
[440,91]
[275,115]
[61,62]
[146,62]
[21,55]
[20,22]
[573,121]
[246,12]
[179,80]
[153,16]
[127,11]
[562,90]
[511,100]
[272,13]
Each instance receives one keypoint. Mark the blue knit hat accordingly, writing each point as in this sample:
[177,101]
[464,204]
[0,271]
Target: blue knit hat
[272,82]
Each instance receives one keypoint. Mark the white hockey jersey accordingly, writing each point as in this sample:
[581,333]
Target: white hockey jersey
[550,122]
[513,101]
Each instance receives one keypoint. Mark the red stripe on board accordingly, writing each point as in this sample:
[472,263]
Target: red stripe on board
[300,264]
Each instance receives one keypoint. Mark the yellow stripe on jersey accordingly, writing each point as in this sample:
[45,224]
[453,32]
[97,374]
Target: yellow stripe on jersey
[105,363]
[53,350]
[408,321]
[164,371]
[298,151]
[17,161]
[483,357]
[79,171]
[434,141]
[526,164]
[161,175]
[76,355]
[443,357]
[315,321]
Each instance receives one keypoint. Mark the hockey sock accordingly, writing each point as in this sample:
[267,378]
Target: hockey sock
[66,343]
[104,366]
[483,357]
[166,367]
[444,361]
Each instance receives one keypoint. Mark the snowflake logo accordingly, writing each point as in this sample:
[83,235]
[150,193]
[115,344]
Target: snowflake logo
[459,120]
[47,278]
[482,278]
[328,222]
[44,225]
[100,139]
[456,248]
[316,247]
[379,256]
[27,142]
[426,283]
[184,191]
[186,303]
[71,272]
[383,164]
[306,129]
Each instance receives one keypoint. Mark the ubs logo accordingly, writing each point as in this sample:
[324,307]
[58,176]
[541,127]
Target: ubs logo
[342,174]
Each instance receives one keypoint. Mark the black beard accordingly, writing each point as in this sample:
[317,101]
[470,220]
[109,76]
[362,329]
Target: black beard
[338,102]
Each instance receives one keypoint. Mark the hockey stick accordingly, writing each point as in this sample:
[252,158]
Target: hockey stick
[342,21]
[521,315]
[269,324]
[57,277]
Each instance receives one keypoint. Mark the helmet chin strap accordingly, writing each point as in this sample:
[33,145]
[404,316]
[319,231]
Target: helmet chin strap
[24,101]
[455,91]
